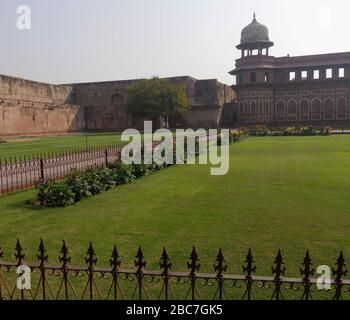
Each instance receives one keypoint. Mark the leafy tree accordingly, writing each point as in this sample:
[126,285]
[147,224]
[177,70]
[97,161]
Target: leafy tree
[151,98]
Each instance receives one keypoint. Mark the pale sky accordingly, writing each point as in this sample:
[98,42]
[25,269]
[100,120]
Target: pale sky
[100,40]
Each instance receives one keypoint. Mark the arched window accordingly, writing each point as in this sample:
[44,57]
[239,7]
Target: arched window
[246,107]
[117,99]
[261,107]
[292,107]
[329,105]
[304,107]
[316,106]
[241,107]
[253,107]
[280,107]
[341,105]
[267,106]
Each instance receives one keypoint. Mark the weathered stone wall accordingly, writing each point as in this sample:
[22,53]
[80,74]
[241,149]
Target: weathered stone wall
[33,108]
[208,101]
[29,108]
[104,103]
[26,90]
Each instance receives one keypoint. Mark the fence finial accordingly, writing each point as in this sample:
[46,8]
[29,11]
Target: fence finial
[220,267]
[42,256]
[278,270]
[64,258]
[164,264]
[115,261]
[19,254]
[90,258]
[249,268]
[308,270]
[340,271]
[140,263]
[192,265]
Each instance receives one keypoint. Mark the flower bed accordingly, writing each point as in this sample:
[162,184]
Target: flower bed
[262,131]
[84,184]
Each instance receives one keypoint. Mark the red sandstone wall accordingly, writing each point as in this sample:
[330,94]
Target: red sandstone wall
[33,108]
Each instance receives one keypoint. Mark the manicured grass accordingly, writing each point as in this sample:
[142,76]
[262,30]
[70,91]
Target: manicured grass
[45,145]
[290,193]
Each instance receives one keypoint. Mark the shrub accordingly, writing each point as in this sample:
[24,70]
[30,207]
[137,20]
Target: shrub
[325,131]
[58,194]
[93,179]
[79,185]
[234,135]
[125,173]
[140,170]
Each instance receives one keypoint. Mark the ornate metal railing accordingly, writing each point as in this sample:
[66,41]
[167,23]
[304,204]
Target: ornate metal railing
[25,172]
[66,282]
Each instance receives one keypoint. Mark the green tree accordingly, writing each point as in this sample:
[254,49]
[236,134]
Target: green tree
[156,97]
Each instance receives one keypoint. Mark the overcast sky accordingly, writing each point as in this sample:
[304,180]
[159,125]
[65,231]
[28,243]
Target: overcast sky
[94,40]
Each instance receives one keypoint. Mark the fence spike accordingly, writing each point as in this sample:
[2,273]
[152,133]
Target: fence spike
[249,268]
[140,263]
[64,258]
[308,270]
[90,258]
[340,271]
[19,254]
[220,267]
[278,270]
[42,256]
[115,260]
[192,265]
[165,263]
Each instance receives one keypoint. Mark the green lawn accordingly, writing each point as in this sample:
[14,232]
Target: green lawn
[33,146]
[290,193]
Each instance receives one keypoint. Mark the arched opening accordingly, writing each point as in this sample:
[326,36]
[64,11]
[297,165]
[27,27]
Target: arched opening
[292,107]
[341,105]
[280,108]
[329,109]
[117,99]
[316,106]
[304,107]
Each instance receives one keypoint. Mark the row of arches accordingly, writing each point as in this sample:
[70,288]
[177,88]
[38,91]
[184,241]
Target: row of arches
[303,106]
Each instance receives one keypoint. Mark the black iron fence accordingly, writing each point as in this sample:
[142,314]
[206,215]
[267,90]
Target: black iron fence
[25,172]
[66,282]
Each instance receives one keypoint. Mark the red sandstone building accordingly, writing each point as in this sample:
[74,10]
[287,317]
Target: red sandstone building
[279,91]
[271,91]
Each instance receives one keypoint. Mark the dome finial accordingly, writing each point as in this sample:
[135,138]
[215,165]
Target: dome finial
[254,15]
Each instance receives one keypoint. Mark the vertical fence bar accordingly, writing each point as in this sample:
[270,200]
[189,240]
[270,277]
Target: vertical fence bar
[307,271]
[249,269]
[278,270]
[140,263]
[339,272]
[193,266]
[19,255]
[220,267]
[91,261]
[106,157]
[115,263]
[64,258]
[42,258]
[165,265]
